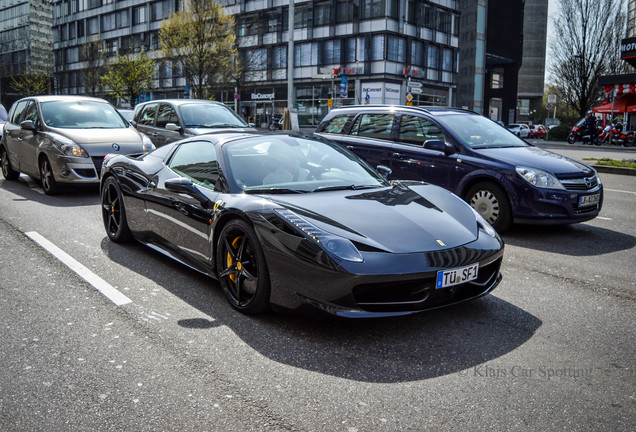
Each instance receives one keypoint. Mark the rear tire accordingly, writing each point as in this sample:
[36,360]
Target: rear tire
[571,138]
[7,170]
[114,212]
[491,201]
[49,185]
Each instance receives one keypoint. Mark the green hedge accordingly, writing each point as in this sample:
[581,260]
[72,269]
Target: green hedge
[559,133]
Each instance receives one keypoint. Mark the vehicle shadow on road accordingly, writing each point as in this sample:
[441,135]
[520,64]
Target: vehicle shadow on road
[411,348]
[29,190]
[574,240]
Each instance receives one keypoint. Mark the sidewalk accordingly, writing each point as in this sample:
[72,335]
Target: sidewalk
[580,152]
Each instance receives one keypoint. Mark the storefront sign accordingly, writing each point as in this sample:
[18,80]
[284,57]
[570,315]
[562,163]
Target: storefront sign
[263,96]
[628,48]
[379,92]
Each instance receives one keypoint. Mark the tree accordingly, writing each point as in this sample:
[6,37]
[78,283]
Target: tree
[129,76]
[584,48]
[95,61]
[202,43]
[31,84]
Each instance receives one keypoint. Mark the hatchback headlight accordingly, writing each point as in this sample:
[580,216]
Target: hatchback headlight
[539,178]
[147,143]
[339,246]
[484,225]
[68,147]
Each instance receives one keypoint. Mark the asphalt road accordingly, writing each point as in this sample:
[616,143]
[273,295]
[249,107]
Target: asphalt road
[553,348]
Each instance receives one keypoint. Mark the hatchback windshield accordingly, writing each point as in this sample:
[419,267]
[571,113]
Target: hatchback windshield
[210,116]
[283,164]
[81,115]
[479,132]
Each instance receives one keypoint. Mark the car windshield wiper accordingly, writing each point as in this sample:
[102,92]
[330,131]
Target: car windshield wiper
[273,190]
[344,187]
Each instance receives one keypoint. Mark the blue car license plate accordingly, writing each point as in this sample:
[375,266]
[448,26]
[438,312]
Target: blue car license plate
[456,276]
[588,200]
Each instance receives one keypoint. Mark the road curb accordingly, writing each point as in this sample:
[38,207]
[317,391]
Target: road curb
[615,170]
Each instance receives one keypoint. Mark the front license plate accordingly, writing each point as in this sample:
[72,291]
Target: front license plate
[456,276]
[588,200]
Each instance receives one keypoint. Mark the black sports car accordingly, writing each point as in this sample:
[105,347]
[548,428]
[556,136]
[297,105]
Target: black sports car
[301,223]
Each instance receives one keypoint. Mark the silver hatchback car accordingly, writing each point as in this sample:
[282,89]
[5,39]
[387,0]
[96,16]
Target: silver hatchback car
[63,139]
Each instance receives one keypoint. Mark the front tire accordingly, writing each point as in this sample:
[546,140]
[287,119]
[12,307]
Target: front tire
[491,202]
[114,212]
[241,268]
[571,138]
[49,185]
[7,170]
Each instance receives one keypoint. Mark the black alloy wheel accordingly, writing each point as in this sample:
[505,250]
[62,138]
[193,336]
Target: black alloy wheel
[241,268]
[7,170]
[114,213]
[49,185]
[491,202]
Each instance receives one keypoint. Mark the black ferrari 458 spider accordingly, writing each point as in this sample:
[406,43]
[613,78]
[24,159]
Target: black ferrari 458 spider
[301,223]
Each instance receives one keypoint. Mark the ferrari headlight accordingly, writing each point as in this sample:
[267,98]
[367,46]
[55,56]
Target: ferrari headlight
[539,178]
[147,143]
[484,225]
[339,246]
[68,147]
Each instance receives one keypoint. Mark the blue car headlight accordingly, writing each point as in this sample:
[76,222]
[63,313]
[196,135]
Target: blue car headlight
[539,178]
[338,246]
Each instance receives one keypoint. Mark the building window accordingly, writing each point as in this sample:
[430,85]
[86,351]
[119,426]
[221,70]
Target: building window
[396,49]
[257,59]
[306,54]
[412,12]
[122,19]
[350,56]
[108,22]
[344,11]
[377,47]
[139,15]
[321,14]
[432,60]
[393,9]
[362,50]
[92,4]
[417,53]
[496,81]
[93,25]
[447,59]
[429,17]
[80,29]
[443,21]
[279,57]
[331,52]
[372,9]
[72,31]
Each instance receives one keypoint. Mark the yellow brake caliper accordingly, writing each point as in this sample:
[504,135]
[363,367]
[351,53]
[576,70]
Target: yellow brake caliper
[229,261]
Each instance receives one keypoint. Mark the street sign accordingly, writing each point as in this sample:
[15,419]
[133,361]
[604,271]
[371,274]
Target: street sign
[329,102]
[415,84]
[551,99]
[549,106]
[415,90]
[409,103]
[409,97]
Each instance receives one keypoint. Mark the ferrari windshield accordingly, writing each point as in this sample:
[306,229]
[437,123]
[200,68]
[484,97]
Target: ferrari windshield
[81,115]
[479,132]
[287,164]
[200,115]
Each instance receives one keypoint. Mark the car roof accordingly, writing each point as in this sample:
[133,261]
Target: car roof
[433,110]
[50,98]
[182,101]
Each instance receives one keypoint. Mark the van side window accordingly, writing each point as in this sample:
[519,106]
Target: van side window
[373,126]
[418,130]
[337,124]
[147,116]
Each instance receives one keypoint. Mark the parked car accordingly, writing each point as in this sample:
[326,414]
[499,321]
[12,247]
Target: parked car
[537,132]
[504,178]
[3,119]
[63,139]
[126,113]
[522,130]
[283,219]
[169,120]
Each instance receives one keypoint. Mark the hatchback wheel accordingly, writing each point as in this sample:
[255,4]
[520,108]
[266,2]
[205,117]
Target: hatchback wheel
[49,185]
[7,170]
[491,202]
[241,268]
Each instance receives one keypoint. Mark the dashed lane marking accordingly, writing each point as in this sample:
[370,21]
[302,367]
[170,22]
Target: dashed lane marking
[100,284]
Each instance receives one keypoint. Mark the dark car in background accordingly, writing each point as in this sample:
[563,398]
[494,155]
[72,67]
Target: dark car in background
[63,139]
[169,120]
[502,177]
[284,220]
[3,119]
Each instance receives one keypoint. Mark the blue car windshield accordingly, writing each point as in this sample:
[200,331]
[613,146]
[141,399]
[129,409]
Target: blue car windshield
[478,132]
[199,115]
[81,115]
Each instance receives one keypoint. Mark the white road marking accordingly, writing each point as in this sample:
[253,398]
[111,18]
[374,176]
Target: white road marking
[621,191]
[603,218]
[100,284]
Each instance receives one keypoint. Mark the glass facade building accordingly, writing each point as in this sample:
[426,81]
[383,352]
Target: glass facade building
[377,48]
